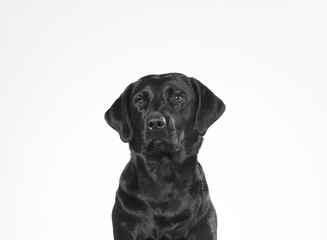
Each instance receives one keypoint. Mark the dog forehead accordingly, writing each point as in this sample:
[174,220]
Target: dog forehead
[158,83]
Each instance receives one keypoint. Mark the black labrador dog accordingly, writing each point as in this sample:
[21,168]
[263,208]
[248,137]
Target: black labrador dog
[162,192]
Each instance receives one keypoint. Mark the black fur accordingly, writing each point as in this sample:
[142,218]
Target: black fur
[163,193]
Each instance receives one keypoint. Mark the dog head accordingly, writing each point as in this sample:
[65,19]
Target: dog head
[166,113]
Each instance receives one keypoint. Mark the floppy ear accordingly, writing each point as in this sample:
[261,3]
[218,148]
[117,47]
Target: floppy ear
[118,117]
[209,107]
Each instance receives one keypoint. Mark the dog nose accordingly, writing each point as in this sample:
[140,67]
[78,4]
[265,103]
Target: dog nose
[156,122]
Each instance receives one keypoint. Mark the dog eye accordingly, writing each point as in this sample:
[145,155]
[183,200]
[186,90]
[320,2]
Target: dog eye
[139,101]
[179,98]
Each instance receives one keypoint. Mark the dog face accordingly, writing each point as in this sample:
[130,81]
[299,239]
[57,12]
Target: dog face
[166,113]
[162,110]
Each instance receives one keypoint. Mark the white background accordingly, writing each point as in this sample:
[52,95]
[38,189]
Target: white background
[63,63]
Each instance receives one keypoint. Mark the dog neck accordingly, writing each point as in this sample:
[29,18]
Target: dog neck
[163,167]
[155,171]
[162,182]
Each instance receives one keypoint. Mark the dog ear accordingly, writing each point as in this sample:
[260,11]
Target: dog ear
[117,115]
[209,107]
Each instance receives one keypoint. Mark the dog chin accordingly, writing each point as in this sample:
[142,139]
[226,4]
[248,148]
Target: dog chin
[162,145]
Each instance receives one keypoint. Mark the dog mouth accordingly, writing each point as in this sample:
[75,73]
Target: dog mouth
[160,144]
